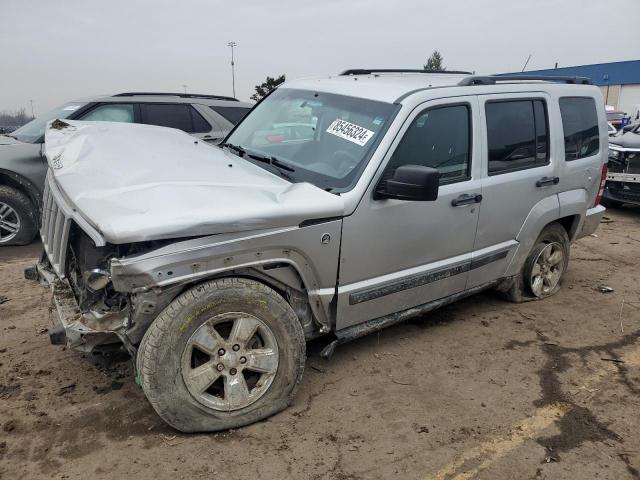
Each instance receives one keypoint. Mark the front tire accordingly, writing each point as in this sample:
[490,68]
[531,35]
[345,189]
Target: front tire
[226,353]
[18,223]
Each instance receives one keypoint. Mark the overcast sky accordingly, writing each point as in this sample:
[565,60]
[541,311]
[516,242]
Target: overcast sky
[55,51]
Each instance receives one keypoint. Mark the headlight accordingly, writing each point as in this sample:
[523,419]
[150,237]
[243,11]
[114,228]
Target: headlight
[96,279]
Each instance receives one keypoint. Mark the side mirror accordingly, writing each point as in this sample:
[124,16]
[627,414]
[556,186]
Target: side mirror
[411,182]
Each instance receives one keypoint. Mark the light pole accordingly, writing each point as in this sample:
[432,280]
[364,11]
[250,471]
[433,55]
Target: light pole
[185,88]
[233,70]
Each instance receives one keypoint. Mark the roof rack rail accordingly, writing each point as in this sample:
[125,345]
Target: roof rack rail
[366,71]
[493,79]
[181,95]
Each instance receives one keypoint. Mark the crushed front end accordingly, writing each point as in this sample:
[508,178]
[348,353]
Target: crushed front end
[75,264]
[623,175]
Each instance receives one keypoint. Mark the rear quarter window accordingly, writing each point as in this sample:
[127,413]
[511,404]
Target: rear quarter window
[580,126]
[233,114]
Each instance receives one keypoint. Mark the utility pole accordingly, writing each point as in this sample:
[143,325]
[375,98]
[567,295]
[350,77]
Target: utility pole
[185,88]
[32,115]
[233,70]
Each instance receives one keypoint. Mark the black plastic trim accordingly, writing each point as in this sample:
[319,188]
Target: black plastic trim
[369,71]
[493,79]
[317,221]
[181,95]
[424,279]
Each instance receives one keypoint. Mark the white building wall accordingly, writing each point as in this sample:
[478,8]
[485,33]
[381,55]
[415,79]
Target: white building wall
[629,100]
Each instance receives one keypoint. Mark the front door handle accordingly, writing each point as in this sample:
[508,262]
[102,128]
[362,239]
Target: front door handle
[544,181]
[466,199]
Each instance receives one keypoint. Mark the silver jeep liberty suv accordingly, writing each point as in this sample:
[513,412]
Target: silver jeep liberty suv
[339,205]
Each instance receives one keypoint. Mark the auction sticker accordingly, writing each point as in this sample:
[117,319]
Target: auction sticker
[350,131]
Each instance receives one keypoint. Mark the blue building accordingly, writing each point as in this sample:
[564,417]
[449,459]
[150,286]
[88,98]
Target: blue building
[619,82]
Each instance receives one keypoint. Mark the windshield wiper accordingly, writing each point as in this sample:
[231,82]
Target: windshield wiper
[275,162]
[241,151]
[10,136]
[272,161]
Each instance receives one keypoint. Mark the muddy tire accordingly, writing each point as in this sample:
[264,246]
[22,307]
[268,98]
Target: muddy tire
[18,217]
[226,353]
[544,268]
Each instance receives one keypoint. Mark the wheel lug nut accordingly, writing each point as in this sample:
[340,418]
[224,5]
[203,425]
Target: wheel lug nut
[236,347]
[220,367]
[233,371]
[221,352]
[243,359]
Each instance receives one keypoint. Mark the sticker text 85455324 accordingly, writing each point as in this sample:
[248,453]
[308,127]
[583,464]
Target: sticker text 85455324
[350,131]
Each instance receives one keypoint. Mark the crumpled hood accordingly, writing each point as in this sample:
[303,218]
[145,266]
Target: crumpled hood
[138,182]
[627,140]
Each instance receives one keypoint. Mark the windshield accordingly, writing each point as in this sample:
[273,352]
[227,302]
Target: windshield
[321,138]
[33,131]
[615,116]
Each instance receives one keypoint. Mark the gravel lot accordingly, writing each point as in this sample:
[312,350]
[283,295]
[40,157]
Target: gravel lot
[480,389]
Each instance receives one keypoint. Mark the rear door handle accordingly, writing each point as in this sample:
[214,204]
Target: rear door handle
[544,181]
[466,199]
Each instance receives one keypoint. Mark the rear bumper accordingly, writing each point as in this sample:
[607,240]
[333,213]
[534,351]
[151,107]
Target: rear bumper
[591,221]
[623,192]
[71,325]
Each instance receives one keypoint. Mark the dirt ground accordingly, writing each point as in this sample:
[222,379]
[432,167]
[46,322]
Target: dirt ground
[480,389]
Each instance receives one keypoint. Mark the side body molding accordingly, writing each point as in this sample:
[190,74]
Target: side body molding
[545,211]
[198,259]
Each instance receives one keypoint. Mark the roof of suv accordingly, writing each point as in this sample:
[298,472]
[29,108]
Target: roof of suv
[160,97]
[393,85]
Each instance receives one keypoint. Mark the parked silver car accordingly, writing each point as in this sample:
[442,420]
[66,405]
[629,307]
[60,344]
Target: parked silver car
[409,191]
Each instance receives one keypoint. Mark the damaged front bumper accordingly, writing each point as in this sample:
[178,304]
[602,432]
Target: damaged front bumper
[73,328]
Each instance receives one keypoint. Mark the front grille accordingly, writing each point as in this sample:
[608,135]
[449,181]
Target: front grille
[54,230]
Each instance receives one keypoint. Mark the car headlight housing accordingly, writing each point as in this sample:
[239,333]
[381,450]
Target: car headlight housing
[96,279]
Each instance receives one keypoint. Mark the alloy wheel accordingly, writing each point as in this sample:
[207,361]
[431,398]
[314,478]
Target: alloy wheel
[230,361]
[9,223]
[547,270]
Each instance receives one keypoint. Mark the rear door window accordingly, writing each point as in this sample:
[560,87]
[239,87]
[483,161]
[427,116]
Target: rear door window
[110,112]
[233,114]
[173,115]
[200,125]
[580,125]
[517,135]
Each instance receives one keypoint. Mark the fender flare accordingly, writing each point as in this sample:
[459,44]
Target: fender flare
[542,214]
[25,185]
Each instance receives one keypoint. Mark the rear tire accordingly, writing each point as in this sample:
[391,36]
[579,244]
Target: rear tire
[18,217]
[201,374]
[544,267]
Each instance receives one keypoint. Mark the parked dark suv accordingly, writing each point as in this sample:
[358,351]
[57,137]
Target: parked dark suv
[23,166]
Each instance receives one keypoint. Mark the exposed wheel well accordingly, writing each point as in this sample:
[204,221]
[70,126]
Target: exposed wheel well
[570,224]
